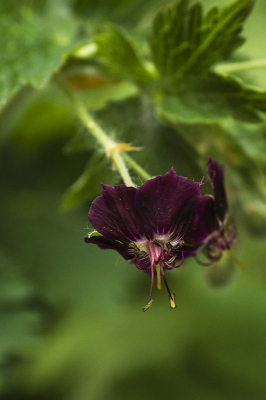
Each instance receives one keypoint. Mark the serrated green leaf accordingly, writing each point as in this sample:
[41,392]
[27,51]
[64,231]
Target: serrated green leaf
[88,185]
[32,48]
[121,56]
[215,98]
[183,42]
[166,37]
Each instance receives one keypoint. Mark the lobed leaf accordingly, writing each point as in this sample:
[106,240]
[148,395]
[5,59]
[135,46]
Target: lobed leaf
[215,98]
[32,48]
[121,56]
[185,42]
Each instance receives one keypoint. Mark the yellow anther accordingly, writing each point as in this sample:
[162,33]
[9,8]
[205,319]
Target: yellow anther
[147,306]
[133,246]
[172,300]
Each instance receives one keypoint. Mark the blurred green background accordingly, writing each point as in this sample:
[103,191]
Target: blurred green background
[71,324]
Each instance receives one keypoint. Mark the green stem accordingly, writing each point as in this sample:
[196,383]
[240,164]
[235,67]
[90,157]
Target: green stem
[88,121]
[240,66]
[105,141]
[121,166]
[140,171]
[99,134]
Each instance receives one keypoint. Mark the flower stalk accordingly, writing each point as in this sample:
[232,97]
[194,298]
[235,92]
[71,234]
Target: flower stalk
[109,145]
[121,167]
[115,151]
[135,166]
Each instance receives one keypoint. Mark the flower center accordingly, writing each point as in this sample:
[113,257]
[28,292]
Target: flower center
[160,254]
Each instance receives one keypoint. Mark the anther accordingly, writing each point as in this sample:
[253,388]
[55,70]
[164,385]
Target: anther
[172,300]
[147,306]
[133,246]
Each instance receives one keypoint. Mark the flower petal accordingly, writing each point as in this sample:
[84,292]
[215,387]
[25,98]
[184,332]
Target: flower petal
[166,201]
[113,214]
[206,222]
[107,243]
[216,175]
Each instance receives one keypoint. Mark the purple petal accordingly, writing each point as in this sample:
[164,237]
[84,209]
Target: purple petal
[107,243]
[166,203]
[205,222]
[113,214]
[205,225]
[216,176]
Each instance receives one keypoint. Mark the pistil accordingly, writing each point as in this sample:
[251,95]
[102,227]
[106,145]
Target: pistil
[158,272]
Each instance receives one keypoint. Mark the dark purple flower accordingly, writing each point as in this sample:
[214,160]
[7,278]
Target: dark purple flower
[211,232]
[147,226]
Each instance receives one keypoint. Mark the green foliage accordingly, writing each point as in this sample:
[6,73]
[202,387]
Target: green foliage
[87,186]
[184,42]
[32,48]
[115,48]
[128,13]
[184,46]
[22,315]
[79,142]
[71,324]
[214,98]
[251,139]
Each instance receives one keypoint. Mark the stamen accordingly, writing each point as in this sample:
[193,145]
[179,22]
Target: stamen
[133,246]
[171,259]
[147,306]
[183,259]
[159,281]
[171,295]
[236,260]
[174,266]
[172,300]
[150,299]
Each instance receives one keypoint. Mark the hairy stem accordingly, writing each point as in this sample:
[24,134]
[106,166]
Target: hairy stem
[137,168]
[121,167]
[111,148]
[89,123]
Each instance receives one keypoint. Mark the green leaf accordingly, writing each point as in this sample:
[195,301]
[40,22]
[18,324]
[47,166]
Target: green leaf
[23,313]
[251,140]
[121,56]
[213,99]
[79,142]
[88,185]
[183,42]
[32,48]
[129,13]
